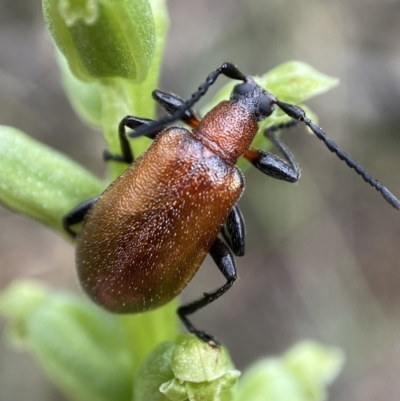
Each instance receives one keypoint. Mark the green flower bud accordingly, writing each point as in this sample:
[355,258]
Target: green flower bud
[103,39]
[188,369]
[302,374]
[314,365]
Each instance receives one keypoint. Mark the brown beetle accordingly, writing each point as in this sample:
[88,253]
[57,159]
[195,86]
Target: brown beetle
[146,236]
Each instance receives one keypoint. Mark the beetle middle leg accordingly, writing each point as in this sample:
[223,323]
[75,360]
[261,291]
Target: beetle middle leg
[171,103]
[282,169]
[225,262]
[130,122]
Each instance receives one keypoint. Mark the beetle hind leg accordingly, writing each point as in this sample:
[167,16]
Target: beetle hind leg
[77,215]
[224,260]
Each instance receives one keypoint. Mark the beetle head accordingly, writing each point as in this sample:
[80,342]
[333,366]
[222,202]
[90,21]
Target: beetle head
[255,99]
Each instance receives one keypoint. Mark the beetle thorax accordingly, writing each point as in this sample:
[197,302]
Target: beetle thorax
[227,130]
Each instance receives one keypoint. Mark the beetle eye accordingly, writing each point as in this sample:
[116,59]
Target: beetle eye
[242,89]
[265,106]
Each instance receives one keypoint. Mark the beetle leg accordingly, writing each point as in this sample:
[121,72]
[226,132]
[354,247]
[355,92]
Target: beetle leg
[130,122]
[77,215]
[171,103]
[233,231]
[225,262]
[282,169]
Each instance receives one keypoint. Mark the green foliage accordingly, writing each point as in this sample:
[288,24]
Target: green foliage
[114,64]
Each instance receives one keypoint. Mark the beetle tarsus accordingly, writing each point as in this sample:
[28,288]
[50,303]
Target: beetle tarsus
[225,262]
[207,337]
[108,156]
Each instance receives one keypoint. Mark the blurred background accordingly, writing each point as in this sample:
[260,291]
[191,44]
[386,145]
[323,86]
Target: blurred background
[323,255]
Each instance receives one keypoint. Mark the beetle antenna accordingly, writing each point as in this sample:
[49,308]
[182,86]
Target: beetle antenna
[300,115]
[227,69]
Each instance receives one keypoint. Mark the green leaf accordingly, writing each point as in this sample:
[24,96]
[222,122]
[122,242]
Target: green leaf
[295,82]
[103,39]
[81,347]
[40,182]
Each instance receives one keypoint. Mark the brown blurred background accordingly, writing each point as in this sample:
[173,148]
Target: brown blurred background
[323,256]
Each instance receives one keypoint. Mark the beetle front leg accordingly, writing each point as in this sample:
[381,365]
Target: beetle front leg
[77,215]
[233,231]
[225,262]
[130,122]
[282,169]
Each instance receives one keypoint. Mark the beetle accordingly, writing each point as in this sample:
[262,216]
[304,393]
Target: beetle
[143,239]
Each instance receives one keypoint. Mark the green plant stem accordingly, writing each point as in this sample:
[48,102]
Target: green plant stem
[146,330]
